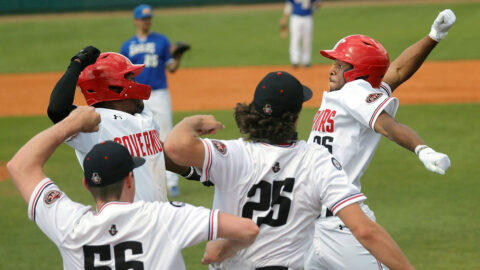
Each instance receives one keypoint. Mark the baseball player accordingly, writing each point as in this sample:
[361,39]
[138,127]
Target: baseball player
[108,85]
[301,29]
[277,181]
[153,50]
[352,117]
[120,234]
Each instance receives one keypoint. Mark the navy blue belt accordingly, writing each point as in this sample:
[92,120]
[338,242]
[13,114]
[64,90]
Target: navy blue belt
[272,268]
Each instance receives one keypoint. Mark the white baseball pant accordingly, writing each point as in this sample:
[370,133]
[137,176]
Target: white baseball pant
[334,247]
[301,38]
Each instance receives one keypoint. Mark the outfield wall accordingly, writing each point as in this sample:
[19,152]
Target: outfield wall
[48,6]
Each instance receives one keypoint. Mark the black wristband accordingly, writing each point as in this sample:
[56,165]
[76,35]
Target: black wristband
[189,173]
[192,174]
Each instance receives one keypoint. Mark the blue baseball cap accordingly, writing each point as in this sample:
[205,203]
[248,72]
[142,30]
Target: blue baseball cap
[142,11]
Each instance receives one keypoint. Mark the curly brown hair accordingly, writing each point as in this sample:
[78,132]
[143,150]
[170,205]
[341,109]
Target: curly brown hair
[261,128]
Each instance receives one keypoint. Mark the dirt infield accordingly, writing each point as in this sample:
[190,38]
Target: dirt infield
[221,88]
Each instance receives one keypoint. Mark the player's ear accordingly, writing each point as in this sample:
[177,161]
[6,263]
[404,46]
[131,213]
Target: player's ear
[85,184]
[130,180]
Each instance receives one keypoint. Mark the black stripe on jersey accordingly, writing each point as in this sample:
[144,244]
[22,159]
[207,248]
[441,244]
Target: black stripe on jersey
[38,197]
[344,200]
[386,90]
[376,112]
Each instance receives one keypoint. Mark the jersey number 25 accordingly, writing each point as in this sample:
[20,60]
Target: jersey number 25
[268,198]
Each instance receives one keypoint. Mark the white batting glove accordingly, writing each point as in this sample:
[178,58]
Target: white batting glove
[433,161]
[444,21]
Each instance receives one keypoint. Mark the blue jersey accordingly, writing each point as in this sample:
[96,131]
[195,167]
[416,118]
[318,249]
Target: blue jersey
[302,7]
[154,52]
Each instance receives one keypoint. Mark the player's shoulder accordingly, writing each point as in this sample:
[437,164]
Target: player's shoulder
[128,41]
[158,36]
[113,116]
[228,147]
[314,149]
[359,91]
[104,112]
[357,85]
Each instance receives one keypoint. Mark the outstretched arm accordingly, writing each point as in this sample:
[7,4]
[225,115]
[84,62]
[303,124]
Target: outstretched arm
[373,237]
[406,137]
[183,144]
[61,99]
[25,168]
[408,62]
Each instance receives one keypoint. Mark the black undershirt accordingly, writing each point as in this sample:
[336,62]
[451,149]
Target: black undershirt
[61,99]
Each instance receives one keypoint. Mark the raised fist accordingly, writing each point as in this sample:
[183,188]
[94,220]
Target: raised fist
[87,56]
[444,21]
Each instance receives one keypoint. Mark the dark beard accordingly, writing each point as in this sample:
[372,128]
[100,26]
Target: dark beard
[139,105]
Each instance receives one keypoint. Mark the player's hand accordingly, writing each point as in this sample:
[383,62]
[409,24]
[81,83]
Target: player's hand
[87,56]
[206,124]
[283,29]
[433,161]
[444,21]
[213,252]
[85,118]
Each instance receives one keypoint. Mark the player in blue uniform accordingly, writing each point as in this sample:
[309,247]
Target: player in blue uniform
[301,29]
[153,50]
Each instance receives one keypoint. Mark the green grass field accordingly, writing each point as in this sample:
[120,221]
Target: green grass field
[433,218]
[235,38]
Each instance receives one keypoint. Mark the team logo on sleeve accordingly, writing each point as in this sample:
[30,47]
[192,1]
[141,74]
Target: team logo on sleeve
[177,203]
[336,164]
[276,167]
[221,147]
[52,196]
[113,230]
[372,97]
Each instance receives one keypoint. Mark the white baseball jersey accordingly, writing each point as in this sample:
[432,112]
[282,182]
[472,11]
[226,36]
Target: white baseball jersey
[120,235]
[281,188]
[345,122]
[140,135]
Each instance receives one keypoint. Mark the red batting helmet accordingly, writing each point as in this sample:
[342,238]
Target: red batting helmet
[98,81]
[368,57]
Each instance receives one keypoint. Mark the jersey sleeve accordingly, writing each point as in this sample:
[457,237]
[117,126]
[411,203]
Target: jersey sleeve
[333,185]
[53,211]
[83,142]
[189,225]
[224,162]
[124,49]
[365,103]
[167,57]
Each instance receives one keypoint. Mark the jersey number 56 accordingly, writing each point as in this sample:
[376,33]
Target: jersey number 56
[119,254]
